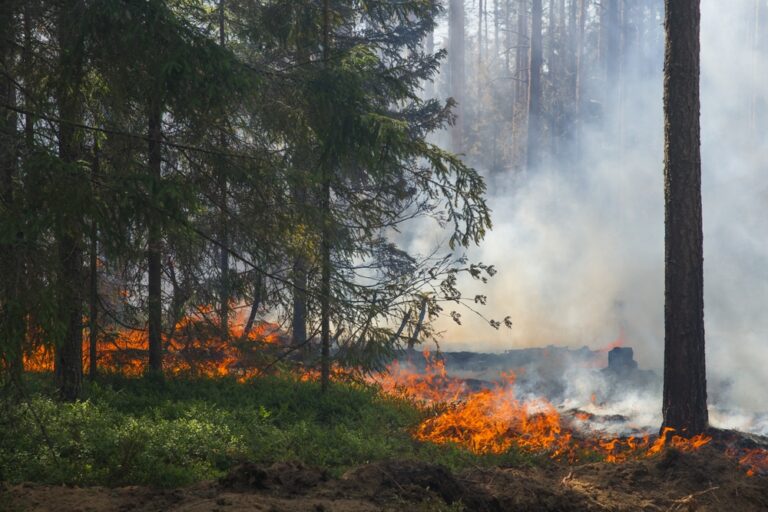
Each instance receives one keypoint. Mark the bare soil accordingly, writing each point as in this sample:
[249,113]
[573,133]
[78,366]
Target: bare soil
[674,481]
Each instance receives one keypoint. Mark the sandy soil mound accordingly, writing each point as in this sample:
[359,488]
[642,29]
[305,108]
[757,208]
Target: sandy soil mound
[674,481]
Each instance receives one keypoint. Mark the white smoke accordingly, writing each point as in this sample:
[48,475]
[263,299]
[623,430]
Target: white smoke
[579,248]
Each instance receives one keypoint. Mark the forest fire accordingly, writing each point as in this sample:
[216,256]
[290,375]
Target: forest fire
[493,420]
[485,420]
[193,347]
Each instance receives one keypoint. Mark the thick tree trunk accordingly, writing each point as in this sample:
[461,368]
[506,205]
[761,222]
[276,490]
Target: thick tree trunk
[69,353]
[154,245]
[456,60]
[685,383]
[534,89]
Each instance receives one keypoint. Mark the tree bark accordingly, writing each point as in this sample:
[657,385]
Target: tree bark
[254,308]
[685,384]
[11,281]
[534,89]
[154,243]
[69,353]
[93,305]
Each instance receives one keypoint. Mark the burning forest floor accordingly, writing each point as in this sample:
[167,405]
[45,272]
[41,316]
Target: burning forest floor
[415,438]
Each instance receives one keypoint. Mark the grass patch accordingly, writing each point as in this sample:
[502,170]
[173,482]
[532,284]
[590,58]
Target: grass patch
[132,431]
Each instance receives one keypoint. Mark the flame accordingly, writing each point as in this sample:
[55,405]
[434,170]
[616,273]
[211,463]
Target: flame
[195,347]
[493,420]
[754,461]
[490,420]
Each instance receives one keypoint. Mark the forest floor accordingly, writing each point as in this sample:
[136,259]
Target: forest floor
[134,445]
[702,481]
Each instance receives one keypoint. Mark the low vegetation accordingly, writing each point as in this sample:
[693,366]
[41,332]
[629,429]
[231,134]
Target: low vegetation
[132,431]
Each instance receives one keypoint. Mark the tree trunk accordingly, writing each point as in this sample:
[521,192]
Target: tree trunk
[456,59]
[299,320]
[429,49]
[579,78]
[11,309]
[154,243]
[496,16]
[608,38]
[69,353]
[224,289]
[534,89]
[93,308]
[522,58]
[29,123]
[758,40]
[325,290]
[685,383]
[479,40]
[610,55]
[554,75]
[254,308]
[325,245]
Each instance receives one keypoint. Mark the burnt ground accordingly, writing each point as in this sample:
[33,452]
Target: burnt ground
[673,481]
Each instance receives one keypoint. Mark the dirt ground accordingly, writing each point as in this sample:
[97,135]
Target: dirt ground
[674,481]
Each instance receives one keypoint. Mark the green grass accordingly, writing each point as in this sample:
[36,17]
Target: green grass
[133,431]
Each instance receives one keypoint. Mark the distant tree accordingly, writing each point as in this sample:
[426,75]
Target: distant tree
[522,48]
[457,70]
[685,382]
[535,110]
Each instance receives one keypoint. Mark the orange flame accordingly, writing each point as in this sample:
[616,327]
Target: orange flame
[494,420]
[195,348]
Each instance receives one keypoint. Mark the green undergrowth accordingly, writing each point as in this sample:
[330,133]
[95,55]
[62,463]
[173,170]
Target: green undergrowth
[135,431]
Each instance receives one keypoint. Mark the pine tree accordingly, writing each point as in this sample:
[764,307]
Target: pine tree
[685,381]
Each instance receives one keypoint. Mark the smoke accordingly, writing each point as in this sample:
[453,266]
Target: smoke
[579,245]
